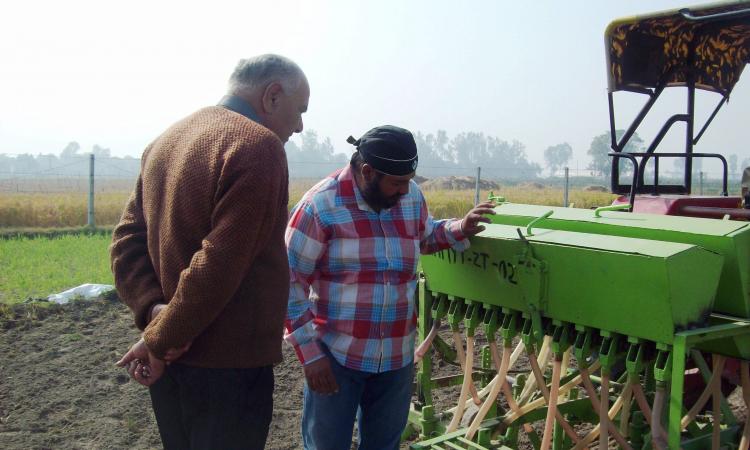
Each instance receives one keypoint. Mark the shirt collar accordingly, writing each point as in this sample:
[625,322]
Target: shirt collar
[240,106]
[350,191]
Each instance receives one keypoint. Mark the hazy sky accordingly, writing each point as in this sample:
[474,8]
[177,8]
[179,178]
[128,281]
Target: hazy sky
[117,73]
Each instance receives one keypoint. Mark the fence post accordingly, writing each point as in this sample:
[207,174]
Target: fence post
[476,187]
[90,223]
[701,183]
[565,191]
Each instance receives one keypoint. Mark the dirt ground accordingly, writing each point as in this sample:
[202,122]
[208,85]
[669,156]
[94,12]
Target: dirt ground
[59,388]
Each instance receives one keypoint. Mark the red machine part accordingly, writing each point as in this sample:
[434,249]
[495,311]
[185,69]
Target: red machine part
[680,205]
[715,207]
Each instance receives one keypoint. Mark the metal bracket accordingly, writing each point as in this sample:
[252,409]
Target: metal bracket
[529,336]
[663,366]
[491,197]
[509,325]
[601,209]
[560,339]
[440,307]
[634,360]
[492,317]
[473,317]
[608,351]
[456,310]
[582,346]
[535,221]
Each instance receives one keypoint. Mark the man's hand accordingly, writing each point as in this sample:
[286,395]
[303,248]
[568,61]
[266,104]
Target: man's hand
[470,224]
[141,364]
[320,377]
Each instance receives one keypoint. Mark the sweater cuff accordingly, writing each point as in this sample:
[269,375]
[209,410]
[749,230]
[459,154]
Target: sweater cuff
[151,336]
[142,308]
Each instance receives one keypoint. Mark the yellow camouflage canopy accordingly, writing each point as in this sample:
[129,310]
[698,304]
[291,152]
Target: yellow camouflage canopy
[661,49]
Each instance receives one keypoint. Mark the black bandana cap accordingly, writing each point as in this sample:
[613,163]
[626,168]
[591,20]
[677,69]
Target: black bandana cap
[388,149]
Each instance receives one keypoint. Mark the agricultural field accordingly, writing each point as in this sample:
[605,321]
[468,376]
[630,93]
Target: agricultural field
[53,210]
[47,208]
[62,356]
[37,267]
[34,268]
[59,387]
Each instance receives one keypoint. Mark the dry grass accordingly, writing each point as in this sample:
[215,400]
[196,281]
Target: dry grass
[51,210]
[446,203]
[69,209]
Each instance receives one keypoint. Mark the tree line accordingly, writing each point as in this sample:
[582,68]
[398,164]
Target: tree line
[312,157]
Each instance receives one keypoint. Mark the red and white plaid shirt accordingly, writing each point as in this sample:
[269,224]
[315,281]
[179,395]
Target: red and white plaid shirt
[353,273]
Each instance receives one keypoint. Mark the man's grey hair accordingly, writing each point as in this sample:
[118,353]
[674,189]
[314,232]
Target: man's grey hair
[260,71]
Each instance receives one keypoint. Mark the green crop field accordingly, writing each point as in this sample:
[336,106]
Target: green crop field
[36,268]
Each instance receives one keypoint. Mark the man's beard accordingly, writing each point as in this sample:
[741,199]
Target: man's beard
[375,198]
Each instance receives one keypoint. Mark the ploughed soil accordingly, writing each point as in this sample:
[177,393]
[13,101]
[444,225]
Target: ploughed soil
[59,388]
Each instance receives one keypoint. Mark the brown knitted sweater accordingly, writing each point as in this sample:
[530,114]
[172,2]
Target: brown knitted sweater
[204,232]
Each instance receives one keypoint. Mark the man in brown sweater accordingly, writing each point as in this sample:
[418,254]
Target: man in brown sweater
[199,258]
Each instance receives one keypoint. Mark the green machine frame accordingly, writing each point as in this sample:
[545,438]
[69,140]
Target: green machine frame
[460,289]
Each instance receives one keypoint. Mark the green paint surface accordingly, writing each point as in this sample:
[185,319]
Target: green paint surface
[729,238]
[636,287]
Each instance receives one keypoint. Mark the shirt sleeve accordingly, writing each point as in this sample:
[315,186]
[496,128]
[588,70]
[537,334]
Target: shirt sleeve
[436,235]
[306,239]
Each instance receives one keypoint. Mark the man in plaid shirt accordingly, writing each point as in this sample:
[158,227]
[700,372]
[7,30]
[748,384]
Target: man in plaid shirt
[353,243]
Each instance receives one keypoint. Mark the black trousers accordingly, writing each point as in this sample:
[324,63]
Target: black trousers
[203,409]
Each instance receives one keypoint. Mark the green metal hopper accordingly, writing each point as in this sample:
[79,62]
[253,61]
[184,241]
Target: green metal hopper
[729,238]
[641,288]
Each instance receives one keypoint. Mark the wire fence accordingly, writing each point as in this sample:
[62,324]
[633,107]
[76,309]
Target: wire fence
[119,174]
[106,181]
[49,174]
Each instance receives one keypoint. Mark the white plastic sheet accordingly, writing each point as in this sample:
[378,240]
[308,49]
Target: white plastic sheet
[86,291]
